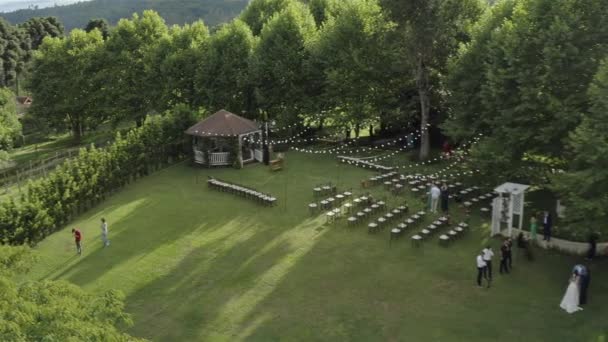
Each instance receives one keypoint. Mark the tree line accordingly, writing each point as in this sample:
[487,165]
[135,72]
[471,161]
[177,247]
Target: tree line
[283,60]
[177,12]
[532,80]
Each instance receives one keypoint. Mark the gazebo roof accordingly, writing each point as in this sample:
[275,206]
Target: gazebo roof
[223,124]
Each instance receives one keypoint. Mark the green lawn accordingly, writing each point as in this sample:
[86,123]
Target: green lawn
[198,265]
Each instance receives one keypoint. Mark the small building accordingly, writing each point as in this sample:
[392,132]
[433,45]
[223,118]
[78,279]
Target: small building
[225,139]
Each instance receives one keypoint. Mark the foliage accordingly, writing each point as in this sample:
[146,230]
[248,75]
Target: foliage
[224,78]
[279,63]
[176,12]
[49,203]
[55,310]
[63,96]
[39,28]
[522,83]
[14,47]
[258,13]
[130,69]
[10,127]
[584,186]
[352,50]
[99,24]
[433,30]
[177,57]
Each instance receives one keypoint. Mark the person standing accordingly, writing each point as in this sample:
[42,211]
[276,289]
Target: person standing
[504,266]
[592,247]
[585,278]
[547,225]
[78,239]
[533,228]
[481,269]
[435,193]
[570,301]
[445,197]
[509,243]
[487,257]
[104,233]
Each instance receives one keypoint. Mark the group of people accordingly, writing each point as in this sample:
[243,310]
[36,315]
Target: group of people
[547,222]
[576,293]
[437,195]
[484,262]
[104,236]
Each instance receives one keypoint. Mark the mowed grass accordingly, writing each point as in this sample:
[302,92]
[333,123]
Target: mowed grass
[198,265]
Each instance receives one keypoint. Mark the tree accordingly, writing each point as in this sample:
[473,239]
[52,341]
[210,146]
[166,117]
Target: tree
[99,24]
[352,52]
[177,58]
[10,128]
[129,50]
[434,29]
[39,28]
[224,79]
[534,64]
[279,62]
[584,187]
[12,53]
[258,12]
[55,310]
[62,94]
[321,9]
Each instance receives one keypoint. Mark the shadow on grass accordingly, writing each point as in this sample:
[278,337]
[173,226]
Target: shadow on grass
[175,307]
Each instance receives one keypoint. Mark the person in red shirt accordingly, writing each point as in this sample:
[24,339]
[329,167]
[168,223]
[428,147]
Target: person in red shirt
[447,149]
[78,239]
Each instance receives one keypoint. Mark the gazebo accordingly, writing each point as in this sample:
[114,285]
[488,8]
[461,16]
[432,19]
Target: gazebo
[225,138]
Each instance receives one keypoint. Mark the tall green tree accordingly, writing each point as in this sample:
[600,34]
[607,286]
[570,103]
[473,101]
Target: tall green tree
[352,50]
[433,31]
[100,24]
[536,62]
[258,12]
[177,58]
[39,28]
[12,53]
[224,79]
[129,50]
[55,310]
[10,127]
[66,83]
[279,62]
[584,187]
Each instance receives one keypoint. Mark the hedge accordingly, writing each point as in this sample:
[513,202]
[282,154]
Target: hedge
[48,204]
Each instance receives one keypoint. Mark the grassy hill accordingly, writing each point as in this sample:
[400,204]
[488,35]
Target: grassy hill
[77,15]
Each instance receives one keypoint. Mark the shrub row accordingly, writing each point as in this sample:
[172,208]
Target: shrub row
[48,204]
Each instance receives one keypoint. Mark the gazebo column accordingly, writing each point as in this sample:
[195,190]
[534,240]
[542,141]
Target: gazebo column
[239,153]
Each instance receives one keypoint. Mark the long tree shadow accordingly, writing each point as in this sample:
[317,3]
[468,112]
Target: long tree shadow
[161,220]
[176,306]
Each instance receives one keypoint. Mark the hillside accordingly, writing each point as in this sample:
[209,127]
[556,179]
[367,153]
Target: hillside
[77,15]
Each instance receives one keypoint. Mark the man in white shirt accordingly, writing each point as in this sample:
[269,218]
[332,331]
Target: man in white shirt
[487,257]
[104,232]
[435,193]
[481,269]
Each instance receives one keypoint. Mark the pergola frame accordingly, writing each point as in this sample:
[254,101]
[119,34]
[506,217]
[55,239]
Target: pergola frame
[510,201]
